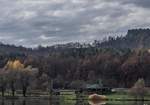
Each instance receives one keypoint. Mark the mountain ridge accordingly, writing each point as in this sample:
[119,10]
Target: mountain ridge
[135,39]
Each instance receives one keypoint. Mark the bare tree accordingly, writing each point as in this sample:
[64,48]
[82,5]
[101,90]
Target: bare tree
[3,82]
[12,79]
[25,76]
[139,90]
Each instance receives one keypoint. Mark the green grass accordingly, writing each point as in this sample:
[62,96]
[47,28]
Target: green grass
[119,96]
[114,96]
[68,97]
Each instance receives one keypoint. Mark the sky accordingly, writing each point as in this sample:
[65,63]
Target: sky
[47,22]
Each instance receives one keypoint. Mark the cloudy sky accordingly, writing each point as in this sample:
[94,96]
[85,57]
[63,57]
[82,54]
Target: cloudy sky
[47,22]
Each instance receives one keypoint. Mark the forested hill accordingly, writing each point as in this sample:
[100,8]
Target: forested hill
[135,39]
[115,62]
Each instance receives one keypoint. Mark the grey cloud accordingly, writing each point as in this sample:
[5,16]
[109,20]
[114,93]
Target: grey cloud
[47,22]
[140,3]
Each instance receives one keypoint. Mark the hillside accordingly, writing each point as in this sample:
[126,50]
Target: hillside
[135,39]
[115,62]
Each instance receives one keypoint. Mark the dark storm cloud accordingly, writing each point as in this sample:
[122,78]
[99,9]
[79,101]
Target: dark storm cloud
[47,22]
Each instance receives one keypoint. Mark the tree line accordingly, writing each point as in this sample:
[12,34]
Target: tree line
[78,67]
[74,65]
[15,76]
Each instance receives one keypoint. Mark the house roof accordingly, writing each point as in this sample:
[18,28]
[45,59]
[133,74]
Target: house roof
[92,86]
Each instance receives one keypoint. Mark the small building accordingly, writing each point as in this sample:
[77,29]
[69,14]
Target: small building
[95,88]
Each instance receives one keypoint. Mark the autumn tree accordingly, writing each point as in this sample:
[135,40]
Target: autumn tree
[17,73]
[139,90]
[130,69]
[12,69]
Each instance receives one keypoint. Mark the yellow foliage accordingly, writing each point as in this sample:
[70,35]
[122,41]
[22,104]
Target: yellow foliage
[9,65]
[17,65]
[14,65]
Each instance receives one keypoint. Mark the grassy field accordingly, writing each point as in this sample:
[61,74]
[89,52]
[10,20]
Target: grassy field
[70,95]
[69,98]
[117,96]
[113,96]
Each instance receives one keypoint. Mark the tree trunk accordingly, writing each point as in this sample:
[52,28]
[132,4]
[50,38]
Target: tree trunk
[13,89]
[3,91]
[142,97]
[51,87]
[13,92]
[24,91]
